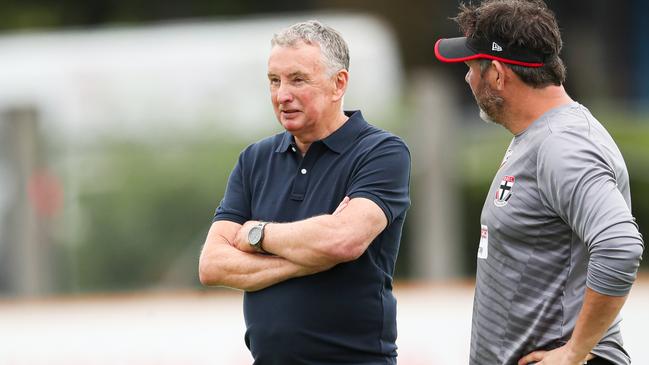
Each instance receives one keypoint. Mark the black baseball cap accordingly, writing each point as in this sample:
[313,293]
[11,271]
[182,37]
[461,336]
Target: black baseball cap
[463,49]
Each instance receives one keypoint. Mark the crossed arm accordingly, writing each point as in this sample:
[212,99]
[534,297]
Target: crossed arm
[299,248]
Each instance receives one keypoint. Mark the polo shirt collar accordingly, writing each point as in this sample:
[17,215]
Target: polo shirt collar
[286,142]
[337,141]
[344,136]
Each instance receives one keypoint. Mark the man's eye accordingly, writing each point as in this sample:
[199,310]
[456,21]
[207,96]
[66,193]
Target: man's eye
[274,81]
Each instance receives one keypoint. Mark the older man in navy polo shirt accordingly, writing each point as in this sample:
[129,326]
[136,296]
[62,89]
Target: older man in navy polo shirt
[311,220]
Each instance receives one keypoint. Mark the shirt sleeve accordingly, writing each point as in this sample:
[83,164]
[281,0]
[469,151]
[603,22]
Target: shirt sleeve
[235,205]
[384,178]
[577,182]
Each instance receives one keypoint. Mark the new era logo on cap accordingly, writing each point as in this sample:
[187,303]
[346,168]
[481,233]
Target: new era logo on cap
[496,47]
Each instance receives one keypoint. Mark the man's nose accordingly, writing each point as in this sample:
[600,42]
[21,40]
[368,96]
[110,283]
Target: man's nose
[284,94]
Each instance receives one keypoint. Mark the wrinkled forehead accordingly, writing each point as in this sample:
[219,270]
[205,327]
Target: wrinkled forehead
[302,57]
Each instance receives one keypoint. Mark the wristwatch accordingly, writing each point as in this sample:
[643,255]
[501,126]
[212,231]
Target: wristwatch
[256,236]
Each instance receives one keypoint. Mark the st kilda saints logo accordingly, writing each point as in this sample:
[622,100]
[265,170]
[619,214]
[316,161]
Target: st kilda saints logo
[504,191]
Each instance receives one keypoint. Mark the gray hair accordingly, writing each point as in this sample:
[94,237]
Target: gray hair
[333,47]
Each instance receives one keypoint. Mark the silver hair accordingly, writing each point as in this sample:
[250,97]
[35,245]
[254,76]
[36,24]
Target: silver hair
[333,47]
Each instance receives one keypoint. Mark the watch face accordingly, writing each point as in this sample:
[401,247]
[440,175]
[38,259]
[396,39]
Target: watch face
[254,236]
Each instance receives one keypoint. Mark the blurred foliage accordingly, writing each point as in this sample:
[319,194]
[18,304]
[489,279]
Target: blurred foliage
[147,209]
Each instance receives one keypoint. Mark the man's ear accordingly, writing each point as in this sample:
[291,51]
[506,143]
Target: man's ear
[499,75]
[340,82]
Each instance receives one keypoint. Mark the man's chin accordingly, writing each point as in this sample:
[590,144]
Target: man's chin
[291,124]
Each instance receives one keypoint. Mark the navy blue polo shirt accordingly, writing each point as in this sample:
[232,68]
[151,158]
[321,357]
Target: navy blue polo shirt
[346,315]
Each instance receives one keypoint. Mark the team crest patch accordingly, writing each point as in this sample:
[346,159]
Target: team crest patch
[504,191]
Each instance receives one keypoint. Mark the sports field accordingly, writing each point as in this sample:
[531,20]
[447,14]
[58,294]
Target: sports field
[206,327]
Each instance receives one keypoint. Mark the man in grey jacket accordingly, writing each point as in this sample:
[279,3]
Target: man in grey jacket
[559,248]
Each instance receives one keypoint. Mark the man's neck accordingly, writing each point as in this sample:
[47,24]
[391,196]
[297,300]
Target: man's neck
[528,104]
[328,126]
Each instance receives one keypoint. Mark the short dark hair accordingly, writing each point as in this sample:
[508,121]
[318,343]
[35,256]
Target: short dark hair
[528,24]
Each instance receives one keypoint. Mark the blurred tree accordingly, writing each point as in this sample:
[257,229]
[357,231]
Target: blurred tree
[144,207]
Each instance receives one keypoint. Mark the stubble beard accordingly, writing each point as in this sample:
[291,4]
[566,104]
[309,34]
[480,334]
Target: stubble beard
[486,118]
[491,105]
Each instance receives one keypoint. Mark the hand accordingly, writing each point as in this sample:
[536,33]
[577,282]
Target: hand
[559,356]
[341,206]
[241,238]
